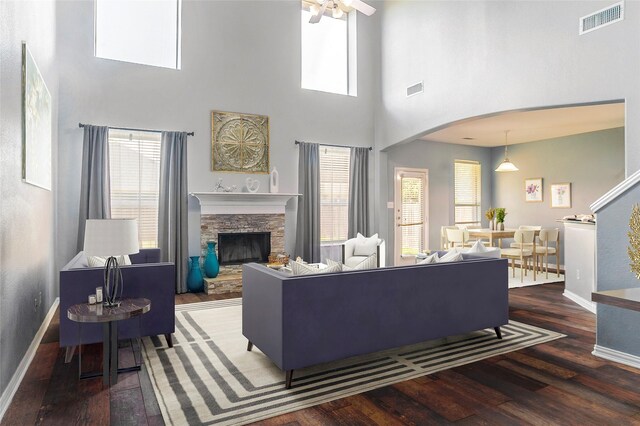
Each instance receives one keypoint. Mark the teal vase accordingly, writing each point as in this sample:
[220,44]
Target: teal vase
[211,265]
[195,282]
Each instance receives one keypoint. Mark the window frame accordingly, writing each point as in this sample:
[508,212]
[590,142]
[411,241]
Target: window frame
[478,194]
[351,70]
[178,58]
[344,204]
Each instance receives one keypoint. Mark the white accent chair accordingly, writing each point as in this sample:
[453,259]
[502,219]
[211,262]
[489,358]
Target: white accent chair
[523,252]
[543,251]
[349,259]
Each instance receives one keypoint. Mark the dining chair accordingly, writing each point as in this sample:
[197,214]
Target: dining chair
[444,240]
[543,251]
[524,252]
[457,237]
[526,228]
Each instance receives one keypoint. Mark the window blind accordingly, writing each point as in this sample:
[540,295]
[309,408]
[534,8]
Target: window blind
[334,194]
[467,192]
[412,214]
[135,176]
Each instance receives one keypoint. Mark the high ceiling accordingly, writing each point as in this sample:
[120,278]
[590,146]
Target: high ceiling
[529,126]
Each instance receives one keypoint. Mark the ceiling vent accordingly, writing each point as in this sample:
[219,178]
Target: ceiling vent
[415,89]
[602,18]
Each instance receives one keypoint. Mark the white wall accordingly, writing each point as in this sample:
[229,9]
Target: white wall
[480,57]
[27,220]
[239,56]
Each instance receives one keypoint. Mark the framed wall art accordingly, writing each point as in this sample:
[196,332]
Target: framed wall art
[533,190]
[36,124]
[239,142]
[561,195]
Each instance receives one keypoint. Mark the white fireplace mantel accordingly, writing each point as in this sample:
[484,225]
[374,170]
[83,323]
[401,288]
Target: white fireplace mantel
[242,202]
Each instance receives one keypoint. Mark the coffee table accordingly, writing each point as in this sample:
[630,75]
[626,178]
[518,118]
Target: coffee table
[109,317]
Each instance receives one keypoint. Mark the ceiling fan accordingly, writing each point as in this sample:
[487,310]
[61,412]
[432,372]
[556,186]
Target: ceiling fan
[337,6]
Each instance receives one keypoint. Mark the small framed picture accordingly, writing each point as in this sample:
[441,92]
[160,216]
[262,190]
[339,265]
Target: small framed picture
[533,190]
[561,195]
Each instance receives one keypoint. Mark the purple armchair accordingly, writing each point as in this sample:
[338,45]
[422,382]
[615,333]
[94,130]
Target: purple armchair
[146,277]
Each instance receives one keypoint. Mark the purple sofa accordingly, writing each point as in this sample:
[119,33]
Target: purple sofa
[146,277]
[300,321]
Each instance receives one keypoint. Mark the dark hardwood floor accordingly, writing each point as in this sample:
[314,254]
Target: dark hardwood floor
[559,382]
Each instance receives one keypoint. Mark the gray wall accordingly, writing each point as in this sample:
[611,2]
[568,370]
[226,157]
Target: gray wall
[592,162]
[480,57]
[237,56]
[616,328]
[438,158]
[26,212]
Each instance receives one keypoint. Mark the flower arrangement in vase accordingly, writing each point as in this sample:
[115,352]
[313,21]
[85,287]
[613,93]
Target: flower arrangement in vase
[490,215]
[501,212]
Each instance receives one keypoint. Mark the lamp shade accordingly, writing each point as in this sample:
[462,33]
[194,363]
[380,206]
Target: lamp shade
[507,166]
[111,237]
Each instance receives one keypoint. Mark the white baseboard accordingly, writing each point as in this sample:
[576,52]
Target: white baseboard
[588,305]
[14,384]
[616,356]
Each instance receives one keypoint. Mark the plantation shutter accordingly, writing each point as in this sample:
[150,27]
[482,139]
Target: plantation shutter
[468,188]
[412,214]
[334,194]
[135,175]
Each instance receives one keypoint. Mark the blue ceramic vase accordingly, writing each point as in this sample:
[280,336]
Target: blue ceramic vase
[211,265]
[195,282]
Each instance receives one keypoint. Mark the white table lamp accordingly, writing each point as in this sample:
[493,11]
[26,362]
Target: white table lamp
[110,238]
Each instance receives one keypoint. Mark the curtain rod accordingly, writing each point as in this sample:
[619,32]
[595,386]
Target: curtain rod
[340,146]
[81,125]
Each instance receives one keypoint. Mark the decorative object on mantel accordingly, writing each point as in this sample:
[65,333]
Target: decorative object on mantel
[239,142]
[501,212]
[533,190]
[195,281]
[634,241]
[274,181]
[211,265]
[221,188]
[36,124]
[490,215]
[506,165]
[561,196]
[252,185]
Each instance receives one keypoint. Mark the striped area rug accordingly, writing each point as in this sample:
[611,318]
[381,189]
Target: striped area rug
[208,377]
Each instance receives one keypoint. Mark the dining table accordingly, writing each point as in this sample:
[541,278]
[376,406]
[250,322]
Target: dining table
[495,235]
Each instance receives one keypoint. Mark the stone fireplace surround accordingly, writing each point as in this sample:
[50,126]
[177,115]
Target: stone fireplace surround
[240,212]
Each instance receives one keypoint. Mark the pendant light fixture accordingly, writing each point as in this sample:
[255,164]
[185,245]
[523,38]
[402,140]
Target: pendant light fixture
[506,165]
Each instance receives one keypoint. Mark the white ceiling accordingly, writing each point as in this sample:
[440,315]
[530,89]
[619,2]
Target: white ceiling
[529,126]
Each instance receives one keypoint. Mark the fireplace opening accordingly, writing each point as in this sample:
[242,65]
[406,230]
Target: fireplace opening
[243,247]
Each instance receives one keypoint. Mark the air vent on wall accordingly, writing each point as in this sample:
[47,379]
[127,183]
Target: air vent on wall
[602,18]
[415,89]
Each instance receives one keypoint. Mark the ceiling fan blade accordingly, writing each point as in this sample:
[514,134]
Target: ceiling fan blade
[361,6]
[316,18]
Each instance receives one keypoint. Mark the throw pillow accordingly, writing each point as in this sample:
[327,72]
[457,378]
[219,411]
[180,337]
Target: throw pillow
[370,262]
[451,256]
[365,246]
[101,261]
[434,258]
[299,268]
[478,247]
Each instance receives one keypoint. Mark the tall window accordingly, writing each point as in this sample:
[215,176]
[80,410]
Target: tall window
[135,178]
[328,52]
[334,194]
[468,192]
[143,32]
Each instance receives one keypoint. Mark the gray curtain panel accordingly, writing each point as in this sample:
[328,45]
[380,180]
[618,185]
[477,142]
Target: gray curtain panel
[95,192]
[359,192]
[172,212]
[308,224]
